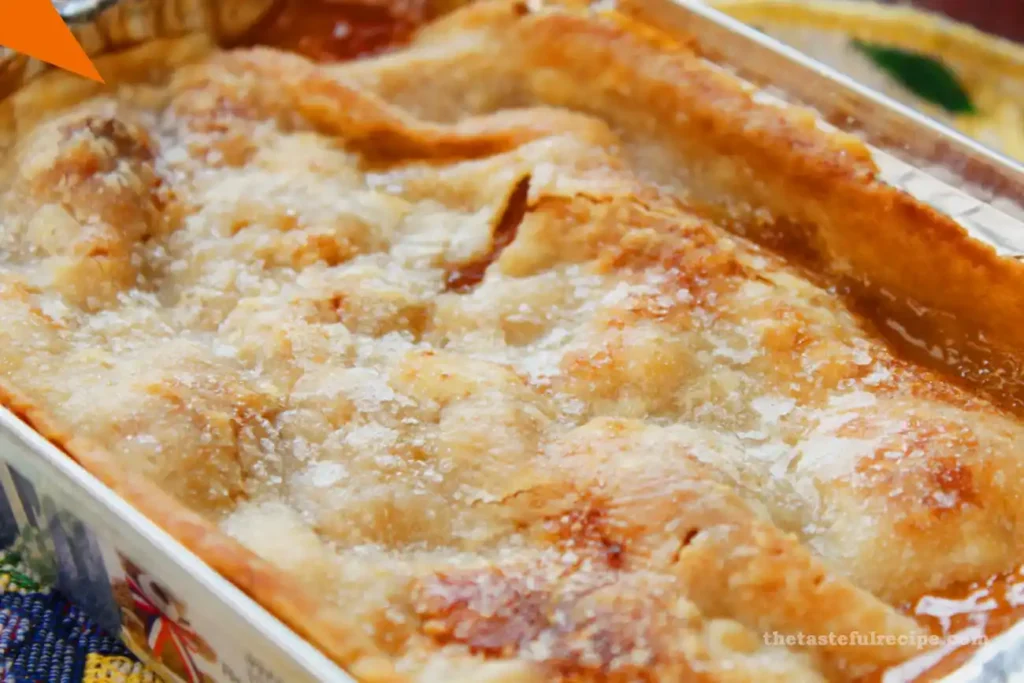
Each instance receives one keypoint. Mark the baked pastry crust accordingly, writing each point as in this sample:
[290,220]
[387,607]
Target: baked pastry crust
[448,358]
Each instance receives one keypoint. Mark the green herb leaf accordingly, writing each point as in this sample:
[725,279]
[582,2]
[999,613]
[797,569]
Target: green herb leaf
[926,77]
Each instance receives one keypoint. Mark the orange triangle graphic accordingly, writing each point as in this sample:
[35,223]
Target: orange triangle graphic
[34,28]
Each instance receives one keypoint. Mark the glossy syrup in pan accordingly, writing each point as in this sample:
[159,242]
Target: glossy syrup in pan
[330,30]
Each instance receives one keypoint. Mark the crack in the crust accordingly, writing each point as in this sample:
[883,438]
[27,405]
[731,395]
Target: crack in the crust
[686,540]
[466,277]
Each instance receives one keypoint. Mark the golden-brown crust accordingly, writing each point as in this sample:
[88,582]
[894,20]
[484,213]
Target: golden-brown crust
[308,616]
[812,179]
[459,325]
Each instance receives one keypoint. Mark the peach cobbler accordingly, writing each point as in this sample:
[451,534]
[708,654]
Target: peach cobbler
[522,352]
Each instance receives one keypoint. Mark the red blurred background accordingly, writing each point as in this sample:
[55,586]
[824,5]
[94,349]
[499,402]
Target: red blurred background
[1001,17]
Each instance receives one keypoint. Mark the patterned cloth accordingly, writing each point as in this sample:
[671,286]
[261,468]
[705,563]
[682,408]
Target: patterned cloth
[46,639]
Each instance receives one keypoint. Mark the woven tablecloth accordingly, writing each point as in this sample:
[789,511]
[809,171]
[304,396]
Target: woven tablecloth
[44,638]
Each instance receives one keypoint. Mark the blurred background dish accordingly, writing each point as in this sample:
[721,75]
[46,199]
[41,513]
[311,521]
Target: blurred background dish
[953,71]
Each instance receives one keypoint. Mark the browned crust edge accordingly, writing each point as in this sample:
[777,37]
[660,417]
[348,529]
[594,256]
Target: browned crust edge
[863,227]
[324,626]
[909,262]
